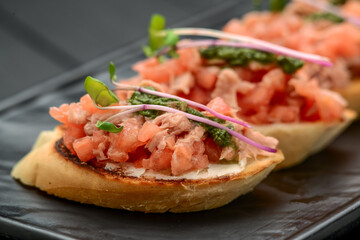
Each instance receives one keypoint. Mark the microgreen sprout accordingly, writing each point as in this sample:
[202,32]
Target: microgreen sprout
[99,92]
[158,40]
[112,71]
[108,126]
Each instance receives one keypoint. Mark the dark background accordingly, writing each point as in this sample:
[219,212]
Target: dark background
[39,40]
[42,41]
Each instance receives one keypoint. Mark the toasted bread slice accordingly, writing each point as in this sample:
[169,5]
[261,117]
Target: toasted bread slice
[51,168]
[299,140]
[352,95]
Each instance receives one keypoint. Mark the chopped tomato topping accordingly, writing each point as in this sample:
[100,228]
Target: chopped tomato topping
[148,131]
[83,148]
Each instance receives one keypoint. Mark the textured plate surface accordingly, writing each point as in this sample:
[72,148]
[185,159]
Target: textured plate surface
[312,200]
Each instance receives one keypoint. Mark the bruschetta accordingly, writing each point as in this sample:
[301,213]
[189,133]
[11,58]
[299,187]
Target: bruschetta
[149,153]
[269,86]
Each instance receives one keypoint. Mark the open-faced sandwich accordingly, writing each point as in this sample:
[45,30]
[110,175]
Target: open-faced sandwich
[265,84]
[152,152]
[316,27]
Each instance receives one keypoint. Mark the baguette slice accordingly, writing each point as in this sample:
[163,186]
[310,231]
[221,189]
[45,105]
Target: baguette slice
[352,95]
[299,140]
[63,175]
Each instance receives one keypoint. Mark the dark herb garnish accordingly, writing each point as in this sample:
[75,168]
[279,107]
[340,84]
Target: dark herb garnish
[277,5]
[325,16]
[289,65]
[242,57]
[139,98]
[274,5]
[338,2]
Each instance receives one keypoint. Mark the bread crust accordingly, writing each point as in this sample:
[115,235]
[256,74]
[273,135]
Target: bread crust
[299,140]
[352,95]
[47,169]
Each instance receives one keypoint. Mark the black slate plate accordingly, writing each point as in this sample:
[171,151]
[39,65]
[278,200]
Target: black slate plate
[313,200]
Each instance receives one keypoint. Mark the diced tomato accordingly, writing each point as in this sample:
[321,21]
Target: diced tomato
[88,105]
[117,155]
[61,113]
[83,148]
[218,104]
[256,98]
[181,161]
[200,161]
[212,150]
[198,94]
[158,74]
[152,69]
[329,108]
[100,143]
[72,133]
[138,156]
[234,26]
[77,115]
[127,139]
[189,58]
[174,66]
[159,160]
[286,114]
[147,131]
[206,76]
[145,64]
[309,111]
[170,142]
[198,147]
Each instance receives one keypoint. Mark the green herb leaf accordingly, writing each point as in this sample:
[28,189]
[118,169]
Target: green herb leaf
[338,2]
[277,5]
[112,72]
[220,136]
[288,64]
[171,39]
[147,51]
[237,56]
[243,56]
[108,126]
[142,98]
[156,40]
[325,16]
[99,92]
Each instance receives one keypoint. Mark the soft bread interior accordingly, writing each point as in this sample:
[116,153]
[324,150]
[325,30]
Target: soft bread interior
[352,95]
[46,169]
[299,140]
